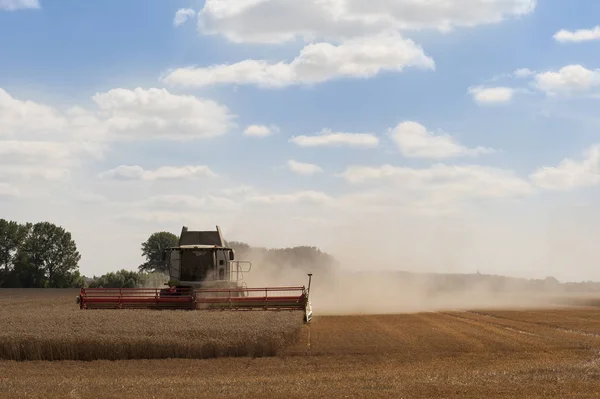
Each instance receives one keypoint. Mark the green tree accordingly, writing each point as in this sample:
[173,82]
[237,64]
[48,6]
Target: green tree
[120,279]
[48,258]
[306,258]
[12,235]
[153,248]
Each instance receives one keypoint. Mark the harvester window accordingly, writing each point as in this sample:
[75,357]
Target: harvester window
[195,265]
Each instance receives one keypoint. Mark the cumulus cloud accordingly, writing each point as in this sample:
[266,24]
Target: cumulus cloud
[182,15]
[470,181]
[328,138]
[34,150]
[121,113]
[568,80]
[12,5]
[258,131]
[570,173]
[25,117]
[38,141]
[580,35]
[253,21]
[135,172]
[318,62]
[158,114]
[491,95]
[302,168]
[414,141]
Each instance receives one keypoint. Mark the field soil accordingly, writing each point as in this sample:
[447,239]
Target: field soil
[469,354]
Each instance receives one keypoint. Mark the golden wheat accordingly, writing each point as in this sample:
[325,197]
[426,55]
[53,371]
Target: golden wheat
[49,326]
[464,355]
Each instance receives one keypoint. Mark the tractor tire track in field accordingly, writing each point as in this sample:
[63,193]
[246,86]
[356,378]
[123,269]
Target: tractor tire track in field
[539,323]
[507,328]
[498,337]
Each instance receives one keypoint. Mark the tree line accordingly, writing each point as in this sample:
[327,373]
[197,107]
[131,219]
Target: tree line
[305,258]
[44,255]
[40,255]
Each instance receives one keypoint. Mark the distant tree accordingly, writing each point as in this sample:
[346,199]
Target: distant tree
[12,235]
[306,258]
[120,279]
[26,274]
[48,257]
[241,249]
[77,280]
[152,250]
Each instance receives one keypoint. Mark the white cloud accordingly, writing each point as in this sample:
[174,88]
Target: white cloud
[471,181]
[154,218]
[258,131]
[302,168]
[414,141]
[570,174]
[12,5]
[276,21]
[523,72]
[182,15]
[242,191]
[27,117]
[8,191]
[300,197]
[327,138]
[24,171]
[34,150]
[580,35]
[517,73]
[38,141]
[491,95]
[135,172]
[316,63]
[571,79]
[159,114]
[182,202]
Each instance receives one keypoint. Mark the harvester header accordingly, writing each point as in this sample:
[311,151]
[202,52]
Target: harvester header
[203,275]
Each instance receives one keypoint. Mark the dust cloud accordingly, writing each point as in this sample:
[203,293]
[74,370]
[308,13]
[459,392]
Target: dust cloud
[342,292]
[396,263]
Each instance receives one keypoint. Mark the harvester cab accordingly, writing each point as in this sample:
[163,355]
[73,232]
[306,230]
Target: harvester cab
[201,260]
[203,275]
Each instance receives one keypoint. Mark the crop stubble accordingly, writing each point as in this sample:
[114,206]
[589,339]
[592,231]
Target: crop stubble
[526,354]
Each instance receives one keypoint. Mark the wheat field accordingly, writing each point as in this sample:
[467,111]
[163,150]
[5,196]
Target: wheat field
[527,353]
[48,325]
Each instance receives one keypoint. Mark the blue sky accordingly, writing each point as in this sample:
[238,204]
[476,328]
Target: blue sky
[117,119]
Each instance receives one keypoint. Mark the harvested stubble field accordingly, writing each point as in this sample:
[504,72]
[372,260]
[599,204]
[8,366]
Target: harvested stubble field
[474,354]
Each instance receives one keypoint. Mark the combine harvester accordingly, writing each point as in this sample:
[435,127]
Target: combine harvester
[203,275]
